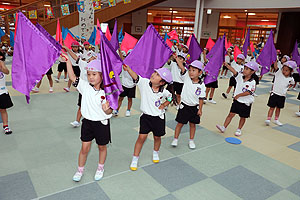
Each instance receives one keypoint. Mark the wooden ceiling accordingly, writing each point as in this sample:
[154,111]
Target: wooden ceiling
[15,2]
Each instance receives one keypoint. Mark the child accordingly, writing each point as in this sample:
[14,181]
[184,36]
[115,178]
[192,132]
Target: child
[36,89]
[129,88]
[203,56]
[62,66]
[228,60]
[250,56]
[5,100]
[75,66]
[193,94]
[237,66]
[210,90]
[177,79]
[298,113]
[282,80]
[153,114]
[96,112]
[87,53]
[83,75]
[243,96]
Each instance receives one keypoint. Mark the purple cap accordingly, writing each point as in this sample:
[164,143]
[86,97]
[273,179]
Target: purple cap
[94,65]
[165,74]
[183,55]
[287,57]
[241,56]
[197,64]
[252,65]
[290,64]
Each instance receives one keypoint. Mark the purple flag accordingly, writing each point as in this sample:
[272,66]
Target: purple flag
[48,36]
[213,49]
[151,52]
[194,50]
[246,43]
[114,39]
[215,63]
[296,56]
[268,55]
[34,55]
[110,61]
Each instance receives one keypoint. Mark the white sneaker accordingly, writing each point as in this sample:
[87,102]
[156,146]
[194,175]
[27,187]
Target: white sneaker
[221,76]
[221,128]
[133,165]
[56,80]
[35,90]
[155,158]
[204,101]
[174,142]
[66,79]
[294,89]
[212,101]
[75,124]
[99,174]
[277,122]
[254,94]
[67,89]
[115,113]
[267,122]
[297,113]
[77,176]
[192,144]
[51,90]
[127,113]
[238,132]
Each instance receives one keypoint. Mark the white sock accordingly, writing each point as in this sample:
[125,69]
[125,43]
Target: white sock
[135,158]
[155,152]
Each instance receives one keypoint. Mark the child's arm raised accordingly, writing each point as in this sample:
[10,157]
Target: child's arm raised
[231,69]
[180,64]
[133,75]
[3,68]
[71,53]
[71,74]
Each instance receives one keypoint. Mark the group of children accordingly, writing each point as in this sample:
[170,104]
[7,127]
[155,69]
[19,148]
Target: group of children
[157,93]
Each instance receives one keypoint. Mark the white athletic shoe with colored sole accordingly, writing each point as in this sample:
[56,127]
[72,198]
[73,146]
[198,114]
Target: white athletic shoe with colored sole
[155,158]
[134,165]
[77,176]
[99,174]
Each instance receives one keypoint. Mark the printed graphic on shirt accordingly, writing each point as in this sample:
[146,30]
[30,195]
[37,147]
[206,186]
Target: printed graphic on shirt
[1,75]
[198,91]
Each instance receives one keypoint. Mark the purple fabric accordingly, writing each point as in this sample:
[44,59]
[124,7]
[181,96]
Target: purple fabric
[194,50]
[114,38]
[48,36]
[213,49]
[296,56]
[215,63]
[33,56]
[268,55]
[151,52]
[246,43]
[110,62]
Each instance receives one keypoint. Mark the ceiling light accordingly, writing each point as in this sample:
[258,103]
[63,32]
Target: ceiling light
[264,20]
[149,13]
[246,10]
[251,14]
[208,11]
[47,5]
[226,17]
[175,11]
[179,17]
[6,3]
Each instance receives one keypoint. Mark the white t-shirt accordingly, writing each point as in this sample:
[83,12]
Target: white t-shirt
[227,59]
[192,92]
[238,68]
[74,61]
[127,80]
[279,65]
[3,89]
[281,83]
[202,58]
[150,101]
[244,86]
[83,72]
[249,58]
[175,70]
[91,104]
[60,59]
[87,54]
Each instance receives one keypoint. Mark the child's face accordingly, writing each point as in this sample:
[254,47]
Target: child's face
[185,50]
[247,71]
[86,47]
[93,49]
[249,53]
[94,78]
[156,79]
[194,72]
[75,48]
[283,60]
[286,71]
[181,59]
[239,61]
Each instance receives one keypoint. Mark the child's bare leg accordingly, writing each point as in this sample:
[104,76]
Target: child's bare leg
[277,113]
[178,96]
[242,122]
[139,144]
[207,92]
[120,100]
[157,143]
[50,80]
[270,113]
[178,130]
[228,119]
[129,104]
[4,116]
[85,149]
[58,75]
[212,93]
[78,116]
[192,130]
[102,153]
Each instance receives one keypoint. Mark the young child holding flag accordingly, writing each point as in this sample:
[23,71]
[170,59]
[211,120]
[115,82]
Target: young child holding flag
[152,119]
[62,66]
[193,94]
[75,66]
[238,66]
[5,100]
[282,80]
[96,112]
[243,96]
